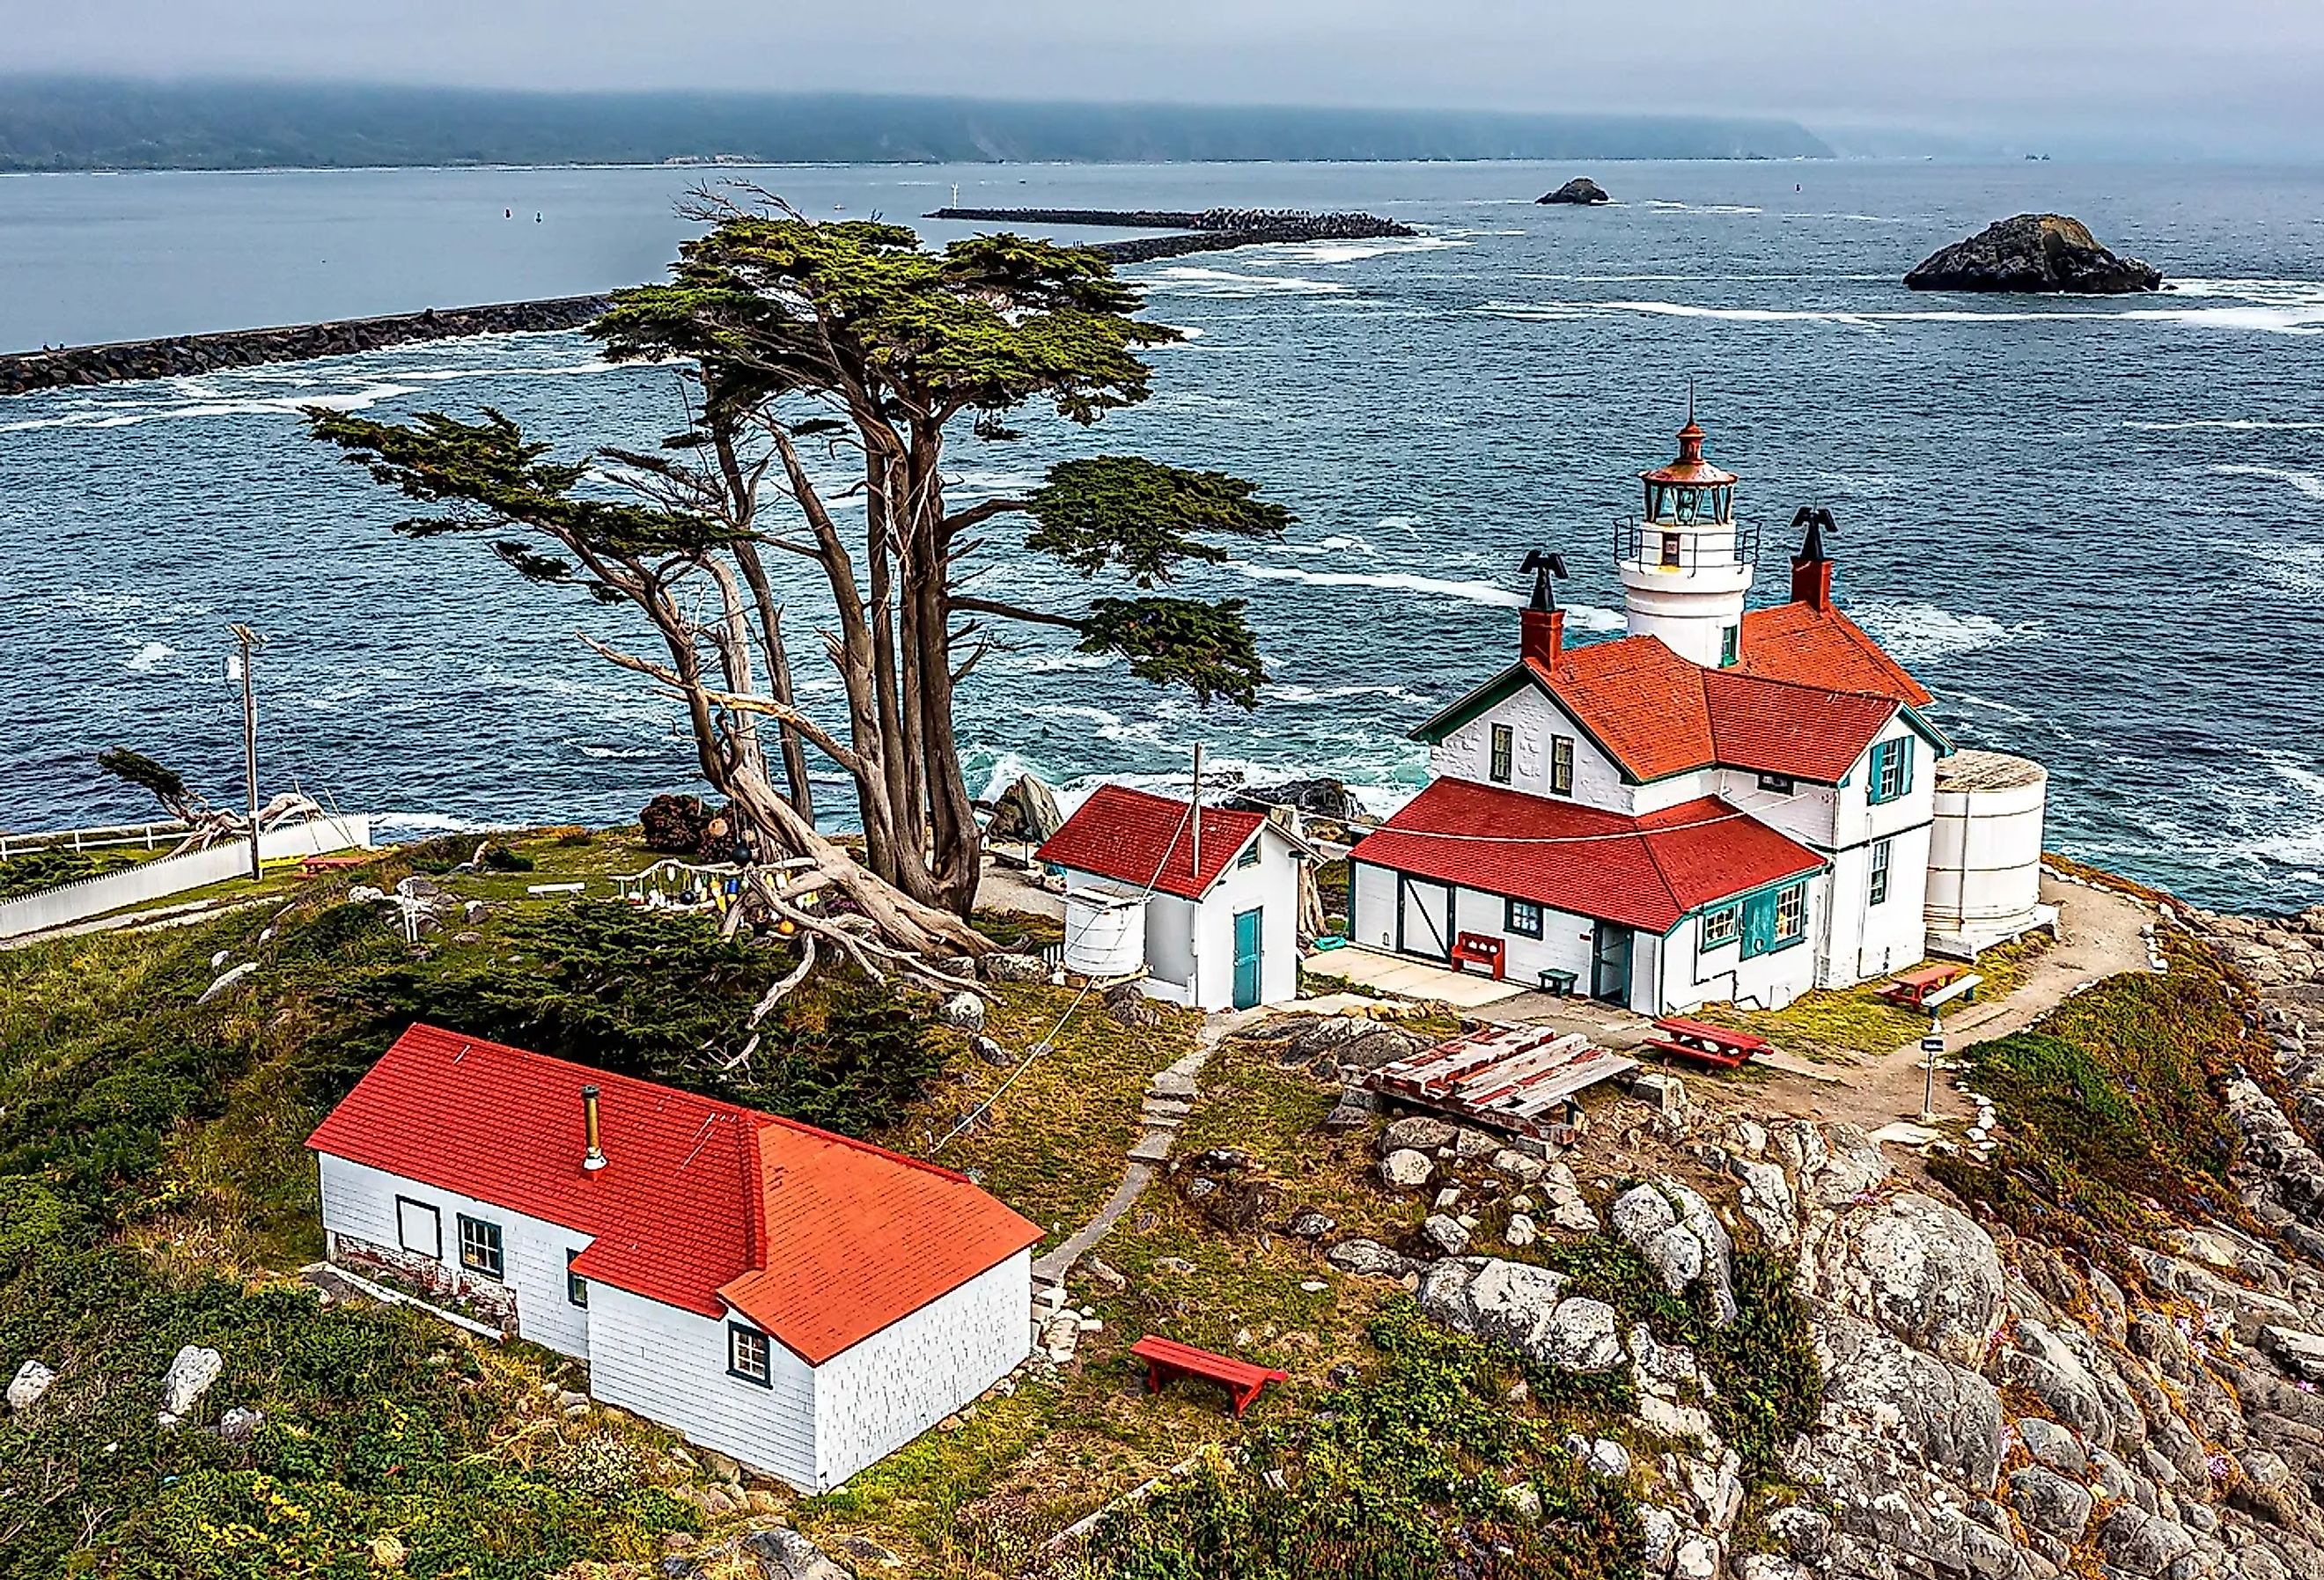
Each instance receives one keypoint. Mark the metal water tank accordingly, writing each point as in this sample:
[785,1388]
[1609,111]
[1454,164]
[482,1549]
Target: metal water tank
[1105,933]
[1985,847]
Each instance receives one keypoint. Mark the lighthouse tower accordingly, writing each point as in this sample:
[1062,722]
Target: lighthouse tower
[1685,563]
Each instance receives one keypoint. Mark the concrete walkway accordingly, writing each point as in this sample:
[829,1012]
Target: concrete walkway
[1169,1097]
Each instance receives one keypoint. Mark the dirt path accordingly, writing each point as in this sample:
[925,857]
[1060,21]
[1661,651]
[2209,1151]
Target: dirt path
[2102,937]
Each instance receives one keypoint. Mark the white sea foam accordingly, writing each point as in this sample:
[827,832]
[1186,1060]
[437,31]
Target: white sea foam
[1297,694]
[424,823]
[1918,633]
[1582,617]
[1352,251]
[150,655]
[2271,307]
[2231,424]
[2310,483]
[620,753]
[1186,279]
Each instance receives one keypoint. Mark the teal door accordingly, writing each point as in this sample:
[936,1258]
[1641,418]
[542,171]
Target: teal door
[1247,956]
[1609,963]
[1758,925]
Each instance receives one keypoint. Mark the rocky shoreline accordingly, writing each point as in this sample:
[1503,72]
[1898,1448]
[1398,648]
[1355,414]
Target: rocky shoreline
[179,356]
[1211,230]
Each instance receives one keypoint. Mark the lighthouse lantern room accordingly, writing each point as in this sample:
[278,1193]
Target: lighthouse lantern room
[1685,563]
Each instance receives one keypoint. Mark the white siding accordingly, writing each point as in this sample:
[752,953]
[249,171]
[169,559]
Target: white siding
[1693,975]
[1871,940]
[670,1366]
[359,1203]
[1170,945]
[873,1399]
[1270,887]
[1534,718]
[1564,944]
[1371,906]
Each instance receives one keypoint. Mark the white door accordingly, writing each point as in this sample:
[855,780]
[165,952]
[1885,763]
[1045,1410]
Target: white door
[1424,916]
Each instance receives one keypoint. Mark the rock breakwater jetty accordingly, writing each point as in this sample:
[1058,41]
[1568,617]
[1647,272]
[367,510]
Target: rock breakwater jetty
[179,356]
[1209,230]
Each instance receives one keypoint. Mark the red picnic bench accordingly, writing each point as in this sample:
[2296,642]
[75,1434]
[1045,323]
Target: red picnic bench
[308,865]
[1479,949]
[1720,1046]
[1914,989]
[1168,1358]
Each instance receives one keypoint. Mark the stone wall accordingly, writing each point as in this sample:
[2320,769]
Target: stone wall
[179,356]
[488,1301]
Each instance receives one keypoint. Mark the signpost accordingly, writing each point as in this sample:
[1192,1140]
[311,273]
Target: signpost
[1932,1046]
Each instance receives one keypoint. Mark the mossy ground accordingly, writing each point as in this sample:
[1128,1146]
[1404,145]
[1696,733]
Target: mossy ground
[1843,1025]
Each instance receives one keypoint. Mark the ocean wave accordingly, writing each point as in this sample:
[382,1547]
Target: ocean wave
[427,823]
[1185,280]
[621,754]
[1352,251]
[1581,616]
[151,656]
[1916,632]
[2229,424]
[2310,483]
[2299,319]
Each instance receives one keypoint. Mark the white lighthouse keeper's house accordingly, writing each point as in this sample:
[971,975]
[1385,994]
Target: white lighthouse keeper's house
[1207,905]
[1723,805]
[802,1302]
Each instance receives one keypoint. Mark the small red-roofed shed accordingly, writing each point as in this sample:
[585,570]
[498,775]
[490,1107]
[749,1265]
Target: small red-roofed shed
[800,1301]
[1199,912]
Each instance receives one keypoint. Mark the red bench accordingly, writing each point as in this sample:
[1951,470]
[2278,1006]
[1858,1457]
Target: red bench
[1479,949]
[1705,1044]
[1167,1358]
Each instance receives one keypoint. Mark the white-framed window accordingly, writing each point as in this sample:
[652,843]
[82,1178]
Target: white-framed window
[1561,765]
[480,1247]
[749,1355]
[1791,912]
[1505,742]
[1719,926]
[1523,919]
[420,1227]
[1880,854]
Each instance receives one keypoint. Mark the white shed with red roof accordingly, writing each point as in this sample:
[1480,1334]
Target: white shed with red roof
[802,1302]
[1208,910]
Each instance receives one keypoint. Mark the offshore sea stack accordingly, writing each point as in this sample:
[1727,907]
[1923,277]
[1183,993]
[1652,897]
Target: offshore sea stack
[2034,253]
[1580,189]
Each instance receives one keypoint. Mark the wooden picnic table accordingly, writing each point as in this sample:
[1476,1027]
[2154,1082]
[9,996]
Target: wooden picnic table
[1913,988]
[1167,1358]
[1722,1046]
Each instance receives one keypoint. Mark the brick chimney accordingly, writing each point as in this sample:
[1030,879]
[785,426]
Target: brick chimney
[1812,567]
[1542,635]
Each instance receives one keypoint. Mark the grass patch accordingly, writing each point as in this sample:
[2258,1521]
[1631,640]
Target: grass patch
[1843,1025]
[2113,1124]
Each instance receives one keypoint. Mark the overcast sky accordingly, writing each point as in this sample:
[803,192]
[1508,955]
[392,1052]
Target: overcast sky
[2224,75]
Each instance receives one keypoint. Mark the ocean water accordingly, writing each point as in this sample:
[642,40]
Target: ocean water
[2095,528]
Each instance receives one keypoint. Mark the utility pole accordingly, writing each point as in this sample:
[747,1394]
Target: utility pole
[1194,814]
[251,642]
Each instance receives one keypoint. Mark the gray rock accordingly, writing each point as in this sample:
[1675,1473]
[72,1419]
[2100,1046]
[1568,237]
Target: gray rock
[1766,1199]
[1524,1305]
[1675,1229]
[1581,189]
[786,1555]
[33,1380]
[191,1372]
[1025,812]
[1012,967]
[1920,1269]
[1519,1231]
[991,1052]
[2049,1502]
[1642,1214]
[964,1010]
[1522,1502]
[1518,1166]
[2142,1544]
[1445,1234]
[2054,1445]
[1567,1209]
[2033,253]
[240,1423]
[1945,1418]
[1404,1168]
[2300,1353]
[1307,1223]
[1805,1532]
[1367,1258]
[1696,1558]
[1419,1133]
[1658,1531]
[1470,1145]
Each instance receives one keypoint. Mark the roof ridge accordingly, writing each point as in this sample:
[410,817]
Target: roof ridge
[771,1121]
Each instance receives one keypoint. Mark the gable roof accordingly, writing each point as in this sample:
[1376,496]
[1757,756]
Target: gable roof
[1646,872]
[1811,646]
[1809,696]
[702,1205]
[1146,840]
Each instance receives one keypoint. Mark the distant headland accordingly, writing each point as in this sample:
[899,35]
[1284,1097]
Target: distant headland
[1212,230]
[66,124]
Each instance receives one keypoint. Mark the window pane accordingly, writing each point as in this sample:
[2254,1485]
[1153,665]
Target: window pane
[1561,764]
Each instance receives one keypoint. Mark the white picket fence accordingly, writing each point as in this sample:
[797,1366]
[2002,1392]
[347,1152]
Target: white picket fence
[157,880]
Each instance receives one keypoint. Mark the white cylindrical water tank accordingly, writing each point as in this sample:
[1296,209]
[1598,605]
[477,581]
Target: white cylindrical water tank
[1105,933]
[1985,846]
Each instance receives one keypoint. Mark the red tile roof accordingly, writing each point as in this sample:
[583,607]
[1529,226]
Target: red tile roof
[1800,642]
[1141,839]
[819,1240]
[1645,872]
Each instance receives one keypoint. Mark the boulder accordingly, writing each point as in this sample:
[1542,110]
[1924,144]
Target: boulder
[2050,1503]
[1025,813]
[1518,1166]
[1921,1269]
[240,1423]
[1943,1418]
[2300,1353]
[786,1555]
[1012,967]
[1520,1231]
[1675,1229]
[1406,1170]
[33,1380]
[1314,797]
[191,1372]
[1525,1306]
[1580,189]
[2033,253]
[2141,1544]
[1419,1133]
[1367,1258]
[964,1010]
[1445,1233]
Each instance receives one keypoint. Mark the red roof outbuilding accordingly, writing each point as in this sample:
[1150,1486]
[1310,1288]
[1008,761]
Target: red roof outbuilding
[1645,872]
[819,1240]
[1146,841]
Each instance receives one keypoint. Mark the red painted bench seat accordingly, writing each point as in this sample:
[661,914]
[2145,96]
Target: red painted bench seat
[1168,1357]
[1479,949]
